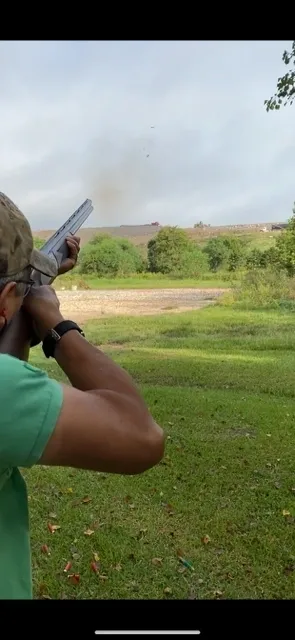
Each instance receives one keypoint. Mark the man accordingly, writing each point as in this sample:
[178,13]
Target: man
[100,423]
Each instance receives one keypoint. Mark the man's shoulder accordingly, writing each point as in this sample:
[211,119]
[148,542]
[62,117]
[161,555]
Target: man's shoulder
[10,365]
[30,404]
[18,377]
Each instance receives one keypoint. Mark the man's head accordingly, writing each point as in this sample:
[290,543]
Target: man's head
[17,259]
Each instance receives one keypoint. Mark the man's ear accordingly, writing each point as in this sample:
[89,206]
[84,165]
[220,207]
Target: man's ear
[5,294]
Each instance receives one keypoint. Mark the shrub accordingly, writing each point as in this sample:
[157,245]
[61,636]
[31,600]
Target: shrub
[107,256]
[225,252]
[263,288]
[173,252]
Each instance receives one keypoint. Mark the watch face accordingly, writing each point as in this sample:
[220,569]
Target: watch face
[54,335]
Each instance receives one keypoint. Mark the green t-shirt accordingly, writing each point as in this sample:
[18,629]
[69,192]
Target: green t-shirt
[30,404]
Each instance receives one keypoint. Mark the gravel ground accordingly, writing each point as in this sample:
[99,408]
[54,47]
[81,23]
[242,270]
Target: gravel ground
[86,305]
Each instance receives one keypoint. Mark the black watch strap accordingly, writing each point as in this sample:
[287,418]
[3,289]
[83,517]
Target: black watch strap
[54,335]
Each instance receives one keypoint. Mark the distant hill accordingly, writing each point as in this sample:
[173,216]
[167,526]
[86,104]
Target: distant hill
[141,234]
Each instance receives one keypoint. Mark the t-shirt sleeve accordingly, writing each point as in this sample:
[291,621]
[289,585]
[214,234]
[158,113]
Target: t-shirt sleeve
[30,404]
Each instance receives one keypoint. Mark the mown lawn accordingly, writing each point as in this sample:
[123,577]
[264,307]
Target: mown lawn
[222,384]
[147,281]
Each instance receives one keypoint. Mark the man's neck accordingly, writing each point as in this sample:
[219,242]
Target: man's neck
[16,337]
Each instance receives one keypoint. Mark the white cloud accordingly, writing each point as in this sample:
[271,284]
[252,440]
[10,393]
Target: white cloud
[76,118]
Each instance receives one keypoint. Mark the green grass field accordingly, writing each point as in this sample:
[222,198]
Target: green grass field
[216,519]
[146,281]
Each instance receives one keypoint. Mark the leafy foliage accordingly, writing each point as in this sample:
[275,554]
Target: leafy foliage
[107,256]
[285,247]
[285,92]
[173,252]
[38,242]
[264,288]
[225,252]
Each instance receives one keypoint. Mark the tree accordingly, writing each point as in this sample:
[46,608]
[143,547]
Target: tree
[256,259]
[226,252]
[236,252]
[285,92]
[285,247]
[217,253]
[107,256]
[173,252]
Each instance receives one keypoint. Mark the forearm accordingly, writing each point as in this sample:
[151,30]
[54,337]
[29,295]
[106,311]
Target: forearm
[89,369]
[16,338]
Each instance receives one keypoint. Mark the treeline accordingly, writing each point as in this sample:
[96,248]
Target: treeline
[172,252]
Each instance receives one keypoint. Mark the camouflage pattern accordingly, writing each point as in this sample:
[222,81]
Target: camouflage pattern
[16,243]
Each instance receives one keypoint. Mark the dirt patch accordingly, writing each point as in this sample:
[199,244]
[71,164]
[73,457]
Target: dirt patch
[86,305]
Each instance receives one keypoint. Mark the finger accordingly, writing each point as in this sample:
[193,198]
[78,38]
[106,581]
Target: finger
[73,248]
[75,239]
[73,244]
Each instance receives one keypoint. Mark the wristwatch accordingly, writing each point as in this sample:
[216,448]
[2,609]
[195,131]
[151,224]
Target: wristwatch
[54,335]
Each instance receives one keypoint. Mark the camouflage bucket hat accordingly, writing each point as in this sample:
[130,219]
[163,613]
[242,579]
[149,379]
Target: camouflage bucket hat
[16,243]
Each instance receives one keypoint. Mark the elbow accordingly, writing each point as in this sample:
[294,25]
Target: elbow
[152,450]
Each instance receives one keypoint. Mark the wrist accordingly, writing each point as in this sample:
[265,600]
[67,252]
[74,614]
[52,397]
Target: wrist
[43,325]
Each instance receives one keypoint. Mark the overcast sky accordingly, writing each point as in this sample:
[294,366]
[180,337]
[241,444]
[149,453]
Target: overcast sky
[169,131]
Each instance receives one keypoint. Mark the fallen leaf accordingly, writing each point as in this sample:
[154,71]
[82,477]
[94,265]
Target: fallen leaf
[96,557]
[94,567]
[131,506]
[205,539]
[157,561]
[103,577]
[118,567]
[88,532]
[67,567]
[167,590]
[53,516]
[289,569]
[86,500]
[69,490]
[45,549]
[286,513]
[74,578]
[169,508]
[53,527]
